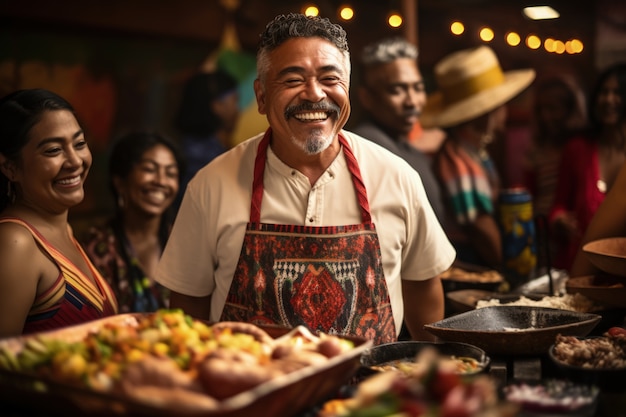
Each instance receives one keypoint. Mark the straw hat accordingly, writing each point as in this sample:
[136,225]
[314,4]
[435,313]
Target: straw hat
[471,84]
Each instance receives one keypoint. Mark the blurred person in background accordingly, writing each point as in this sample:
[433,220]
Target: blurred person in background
[590,164]
[608,221]
[206,118]
[559,114]
[470,106]
[144,174]
[392,95]
[46,280]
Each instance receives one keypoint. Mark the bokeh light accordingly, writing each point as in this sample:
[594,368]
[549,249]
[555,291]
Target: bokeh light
[346,12]
[457,28]
[311,11]
[486,34]
[577,46]
[513,38]
[533,41]
[394,20]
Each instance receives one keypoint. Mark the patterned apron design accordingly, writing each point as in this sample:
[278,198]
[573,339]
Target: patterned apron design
[329,279]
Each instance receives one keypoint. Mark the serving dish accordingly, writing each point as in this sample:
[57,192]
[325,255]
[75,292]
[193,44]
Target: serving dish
[606,290]
[466,300]
[409,351]
[513,330]
[468,276]
[608,255]
[607,379]
[286,395]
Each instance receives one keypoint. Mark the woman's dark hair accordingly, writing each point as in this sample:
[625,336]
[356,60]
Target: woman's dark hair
[125,154]
[195,115]
[19,112]
[619,71]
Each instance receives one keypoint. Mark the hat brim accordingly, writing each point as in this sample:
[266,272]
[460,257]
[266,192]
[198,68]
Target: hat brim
[437,114]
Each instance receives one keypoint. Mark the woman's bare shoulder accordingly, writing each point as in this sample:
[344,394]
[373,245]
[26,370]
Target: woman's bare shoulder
[15,239]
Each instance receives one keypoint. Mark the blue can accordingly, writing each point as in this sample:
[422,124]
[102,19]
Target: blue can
[517,227]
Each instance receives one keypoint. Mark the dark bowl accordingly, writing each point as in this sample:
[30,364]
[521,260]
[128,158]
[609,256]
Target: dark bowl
[608,380]
[513,330]
[408,350]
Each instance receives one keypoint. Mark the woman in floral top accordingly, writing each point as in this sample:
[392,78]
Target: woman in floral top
[145,171]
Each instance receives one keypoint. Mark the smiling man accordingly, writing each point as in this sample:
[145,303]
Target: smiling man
[306,223]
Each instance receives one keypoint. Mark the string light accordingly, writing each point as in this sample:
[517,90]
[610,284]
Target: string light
[457,28]
[394,20]
[311,11]
[486,34]
[513,38]
[346,12]
[533,41]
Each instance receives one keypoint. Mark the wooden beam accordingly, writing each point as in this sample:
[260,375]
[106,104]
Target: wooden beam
[409,12]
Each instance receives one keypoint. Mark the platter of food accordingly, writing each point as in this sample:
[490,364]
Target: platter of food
[466,300]
[598,360]
[161,363]
[605,290]
[553,397]
[467,276]
[513,330]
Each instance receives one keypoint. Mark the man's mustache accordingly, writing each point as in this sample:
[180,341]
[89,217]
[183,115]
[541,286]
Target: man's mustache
[307,106]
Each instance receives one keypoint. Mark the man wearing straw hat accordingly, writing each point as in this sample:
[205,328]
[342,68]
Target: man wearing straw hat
[473,90]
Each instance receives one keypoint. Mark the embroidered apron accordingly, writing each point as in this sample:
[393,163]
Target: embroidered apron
[329,279]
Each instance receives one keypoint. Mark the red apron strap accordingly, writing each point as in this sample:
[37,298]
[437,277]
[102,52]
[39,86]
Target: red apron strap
[257,183]
[357,180]
[259,169]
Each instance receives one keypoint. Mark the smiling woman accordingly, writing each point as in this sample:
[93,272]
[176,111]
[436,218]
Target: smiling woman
[46,280]
[145,170]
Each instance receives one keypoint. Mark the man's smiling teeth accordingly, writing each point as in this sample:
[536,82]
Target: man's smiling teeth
[69,181]
[311,116]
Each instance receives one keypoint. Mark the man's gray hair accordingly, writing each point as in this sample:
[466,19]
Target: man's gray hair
[295,25]
[387,50]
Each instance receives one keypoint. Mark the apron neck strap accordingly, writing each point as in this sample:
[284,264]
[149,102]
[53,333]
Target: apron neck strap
[259,170]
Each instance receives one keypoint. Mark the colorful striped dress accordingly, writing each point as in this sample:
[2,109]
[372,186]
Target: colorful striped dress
[73,298]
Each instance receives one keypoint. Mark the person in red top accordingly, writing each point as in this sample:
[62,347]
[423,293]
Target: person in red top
[589,165]
[46,279]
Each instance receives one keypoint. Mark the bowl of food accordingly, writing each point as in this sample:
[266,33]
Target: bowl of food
[513,330]
[597,360]
[553,397]
[608,255]
[605,290]
[463,358]
[462,276]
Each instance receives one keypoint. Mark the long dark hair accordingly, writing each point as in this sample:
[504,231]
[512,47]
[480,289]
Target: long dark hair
[127,152]
[19,112]
[619,71]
